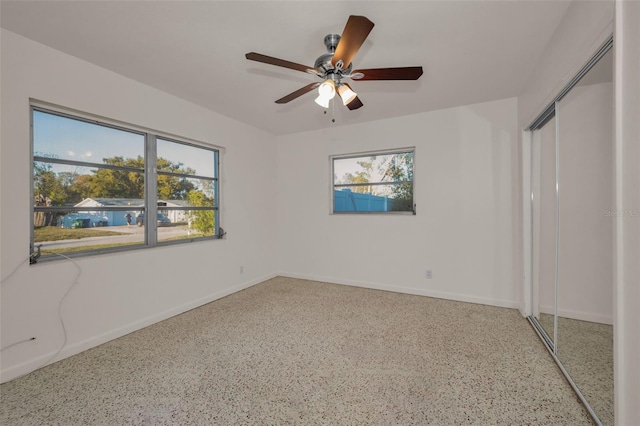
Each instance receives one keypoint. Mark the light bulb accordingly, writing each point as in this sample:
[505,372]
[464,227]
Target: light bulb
[327,89]
[323,101]
[346,94]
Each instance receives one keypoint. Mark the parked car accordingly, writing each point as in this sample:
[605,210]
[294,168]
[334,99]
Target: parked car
[162,220]
[82,220]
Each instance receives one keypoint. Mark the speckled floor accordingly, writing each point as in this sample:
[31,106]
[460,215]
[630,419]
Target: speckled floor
[290,351]
[586,351]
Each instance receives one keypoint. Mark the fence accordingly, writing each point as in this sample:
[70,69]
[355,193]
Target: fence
[347,201]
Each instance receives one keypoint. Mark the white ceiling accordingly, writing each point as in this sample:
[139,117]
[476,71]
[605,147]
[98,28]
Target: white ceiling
[471,51]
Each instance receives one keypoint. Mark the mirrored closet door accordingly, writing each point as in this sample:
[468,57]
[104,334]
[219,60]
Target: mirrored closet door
[545,210]
[572,233]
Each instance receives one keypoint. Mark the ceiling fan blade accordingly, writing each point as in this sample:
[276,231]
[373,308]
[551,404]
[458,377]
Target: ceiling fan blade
[291,96]
[252,56]
[355,104]
[354,34]
[402,73]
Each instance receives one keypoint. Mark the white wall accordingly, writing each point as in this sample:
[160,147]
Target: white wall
[122,292]
[463,230]
[627,226]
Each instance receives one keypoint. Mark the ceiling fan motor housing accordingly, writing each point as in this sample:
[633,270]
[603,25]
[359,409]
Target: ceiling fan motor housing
[331,41]
[323,63]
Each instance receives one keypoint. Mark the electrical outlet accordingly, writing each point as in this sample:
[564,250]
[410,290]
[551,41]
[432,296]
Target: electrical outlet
[429,274]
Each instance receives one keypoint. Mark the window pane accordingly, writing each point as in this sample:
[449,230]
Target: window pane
[185,159]
[185,224]
[373,183]
[373,198]
[90,192]
[395,167]
[185,192]
[68,185]
[65,232]
[65,138]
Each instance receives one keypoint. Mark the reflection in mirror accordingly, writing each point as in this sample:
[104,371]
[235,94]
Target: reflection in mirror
[543,180]
[585,268]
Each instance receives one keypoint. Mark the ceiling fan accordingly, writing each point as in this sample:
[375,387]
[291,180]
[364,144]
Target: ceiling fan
[336,65]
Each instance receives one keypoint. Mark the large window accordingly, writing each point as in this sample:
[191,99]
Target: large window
[377,182]
[97,186]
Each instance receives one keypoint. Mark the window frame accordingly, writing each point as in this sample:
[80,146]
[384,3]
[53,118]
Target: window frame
[365,155]
[150,202]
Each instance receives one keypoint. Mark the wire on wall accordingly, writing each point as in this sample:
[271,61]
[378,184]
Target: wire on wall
[12,273]
[60,318]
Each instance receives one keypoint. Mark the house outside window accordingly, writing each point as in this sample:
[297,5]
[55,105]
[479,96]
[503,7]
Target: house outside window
[374,182]
[95,184]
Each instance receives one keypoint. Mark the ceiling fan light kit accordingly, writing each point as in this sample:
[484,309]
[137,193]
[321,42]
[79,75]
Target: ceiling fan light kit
[327,89]
[323,102]
[346,94]
[330,67]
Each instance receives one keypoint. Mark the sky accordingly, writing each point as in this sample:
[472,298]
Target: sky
[60,137]
[342,166]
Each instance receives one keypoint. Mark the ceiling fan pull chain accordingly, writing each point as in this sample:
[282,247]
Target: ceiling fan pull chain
[333,110]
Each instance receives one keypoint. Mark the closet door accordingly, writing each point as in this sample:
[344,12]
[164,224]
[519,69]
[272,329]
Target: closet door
[584,342]
[544,206]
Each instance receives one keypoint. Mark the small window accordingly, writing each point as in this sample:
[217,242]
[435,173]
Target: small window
[95,184]
[380,182]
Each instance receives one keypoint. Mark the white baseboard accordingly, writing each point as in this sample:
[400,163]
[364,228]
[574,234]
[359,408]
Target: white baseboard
[513,304]
[27,367]
[579,315]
